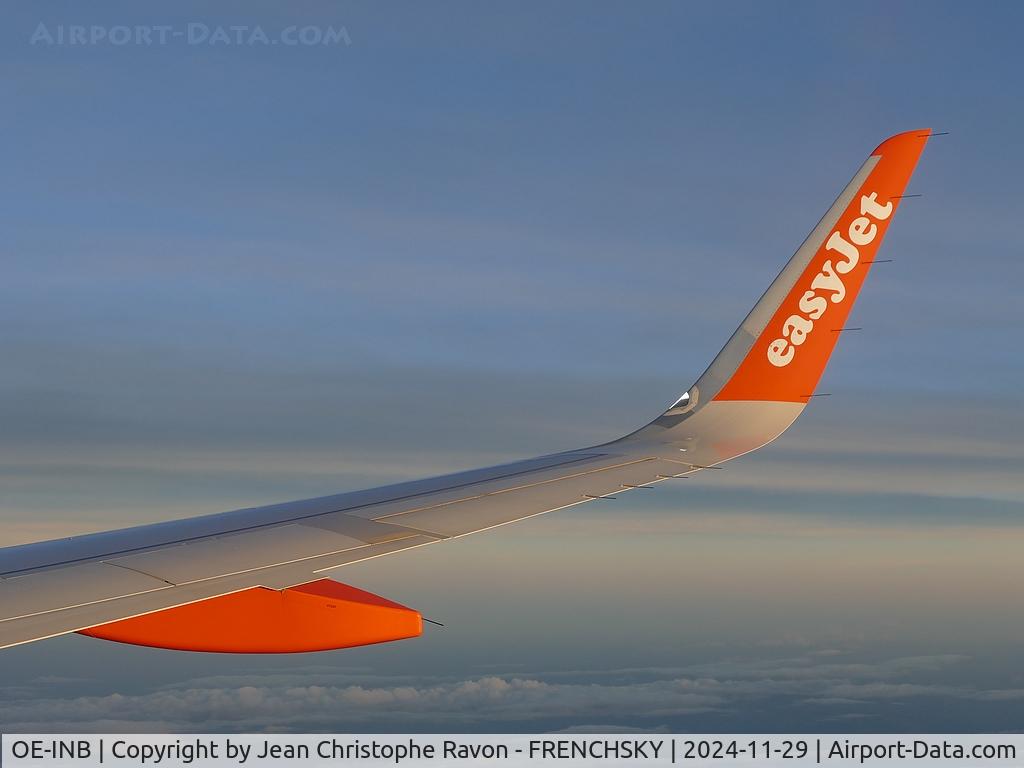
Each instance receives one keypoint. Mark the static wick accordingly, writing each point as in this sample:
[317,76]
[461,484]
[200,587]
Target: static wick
[588,496]
[431,621]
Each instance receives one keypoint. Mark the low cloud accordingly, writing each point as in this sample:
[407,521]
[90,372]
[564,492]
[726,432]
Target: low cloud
[452,705]
[322,698]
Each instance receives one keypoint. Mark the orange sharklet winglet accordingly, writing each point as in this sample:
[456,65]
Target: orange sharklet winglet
[789,355]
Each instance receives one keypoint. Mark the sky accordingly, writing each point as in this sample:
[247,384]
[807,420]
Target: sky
[463,233]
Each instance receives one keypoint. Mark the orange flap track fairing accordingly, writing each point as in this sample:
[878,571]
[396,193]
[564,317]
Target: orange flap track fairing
[317,616]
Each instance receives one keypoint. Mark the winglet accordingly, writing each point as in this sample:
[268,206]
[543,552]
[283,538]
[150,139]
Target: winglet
[780,351]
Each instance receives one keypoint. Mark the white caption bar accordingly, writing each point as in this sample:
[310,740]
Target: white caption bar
[567,751]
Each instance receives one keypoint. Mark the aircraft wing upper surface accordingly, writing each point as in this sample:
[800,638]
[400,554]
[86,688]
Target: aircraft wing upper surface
[61,586]
[170,583]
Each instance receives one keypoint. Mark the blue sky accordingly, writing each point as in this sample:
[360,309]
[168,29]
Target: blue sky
[243,274]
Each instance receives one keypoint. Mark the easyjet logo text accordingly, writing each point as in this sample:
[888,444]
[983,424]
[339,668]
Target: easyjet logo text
[827,286]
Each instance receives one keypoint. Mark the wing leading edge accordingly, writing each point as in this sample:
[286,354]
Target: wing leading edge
[267,566]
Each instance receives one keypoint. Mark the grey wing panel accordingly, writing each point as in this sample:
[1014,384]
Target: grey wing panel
[476,514]
[237,553]
[28,557]
[87,583]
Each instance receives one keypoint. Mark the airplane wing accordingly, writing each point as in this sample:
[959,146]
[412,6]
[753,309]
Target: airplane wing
[257,580]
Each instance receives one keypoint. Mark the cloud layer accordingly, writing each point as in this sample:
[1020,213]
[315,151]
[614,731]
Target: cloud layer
[817,686]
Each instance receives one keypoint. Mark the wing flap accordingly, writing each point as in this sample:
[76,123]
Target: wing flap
[238,553]
[500,507]
[89,583]
[369,531]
